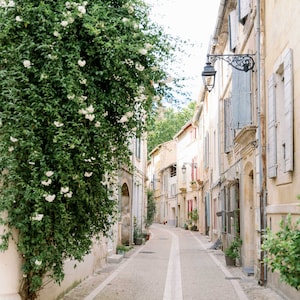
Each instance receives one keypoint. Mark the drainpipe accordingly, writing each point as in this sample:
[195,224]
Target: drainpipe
[262,194]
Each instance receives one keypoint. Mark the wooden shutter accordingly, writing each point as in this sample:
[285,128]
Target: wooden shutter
[288,110]
[233,29]
[272,135]
[244,9]
[206,151]
[241,106]
[228,131]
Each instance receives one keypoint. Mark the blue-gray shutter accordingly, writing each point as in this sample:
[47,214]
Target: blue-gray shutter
[272,134]
[228,132]
[288,110]
[241,106]
[206,151]
[233,29]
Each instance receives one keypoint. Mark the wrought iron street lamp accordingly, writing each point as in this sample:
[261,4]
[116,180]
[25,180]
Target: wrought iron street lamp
[183,169]
[241,62]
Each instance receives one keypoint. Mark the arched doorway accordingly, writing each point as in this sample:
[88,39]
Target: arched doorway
[125,216]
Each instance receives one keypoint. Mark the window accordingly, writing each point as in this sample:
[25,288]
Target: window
[138,147]
[173,171]
[280,117]
[173,190]
[232,205]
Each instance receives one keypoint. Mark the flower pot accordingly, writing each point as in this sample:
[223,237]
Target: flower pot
[138,241]
[229,261]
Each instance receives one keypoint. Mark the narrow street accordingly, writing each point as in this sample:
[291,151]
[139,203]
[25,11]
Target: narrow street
[175,264]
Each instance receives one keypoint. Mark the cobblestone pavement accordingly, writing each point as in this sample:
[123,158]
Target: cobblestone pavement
[248,283]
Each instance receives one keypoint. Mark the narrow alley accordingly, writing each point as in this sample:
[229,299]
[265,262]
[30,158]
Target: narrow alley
[175,264]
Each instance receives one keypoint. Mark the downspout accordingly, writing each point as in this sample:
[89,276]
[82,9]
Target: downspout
[262,194]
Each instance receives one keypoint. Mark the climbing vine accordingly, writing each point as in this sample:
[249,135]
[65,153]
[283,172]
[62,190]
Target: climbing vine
[78,80]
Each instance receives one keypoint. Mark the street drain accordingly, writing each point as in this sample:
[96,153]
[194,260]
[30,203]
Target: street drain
[233,278]
[147,252]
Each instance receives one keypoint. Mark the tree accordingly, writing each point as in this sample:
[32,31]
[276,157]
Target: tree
[77,80]
[167,124]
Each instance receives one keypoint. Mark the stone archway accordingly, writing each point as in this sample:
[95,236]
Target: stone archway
[125,216]
[248,218]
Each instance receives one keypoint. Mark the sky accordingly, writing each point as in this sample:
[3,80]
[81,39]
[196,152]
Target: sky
[192,20]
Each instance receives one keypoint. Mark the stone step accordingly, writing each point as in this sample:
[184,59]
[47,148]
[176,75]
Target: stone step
[115,258]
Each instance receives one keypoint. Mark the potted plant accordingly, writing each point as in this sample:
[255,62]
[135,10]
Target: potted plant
[232,253]
[193,184]
[138,236]
[194,216]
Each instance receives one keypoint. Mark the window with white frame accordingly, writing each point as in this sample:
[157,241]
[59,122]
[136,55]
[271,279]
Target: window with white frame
[280,152]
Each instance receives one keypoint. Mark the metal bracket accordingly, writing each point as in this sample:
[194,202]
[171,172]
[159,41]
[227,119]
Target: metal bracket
[241,62]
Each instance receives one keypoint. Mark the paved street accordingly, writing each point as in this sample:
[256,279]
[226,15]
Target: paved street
[175,264]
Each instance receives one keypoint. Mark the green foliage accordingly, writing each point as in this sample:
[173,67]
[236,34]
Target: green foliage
[233,250]
[77,80]
[151,208]
[193,215]
[167,124]
[283,251]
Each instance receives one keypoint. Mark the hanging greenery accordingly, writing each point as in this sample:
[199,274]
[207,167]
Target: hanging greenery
[77,80]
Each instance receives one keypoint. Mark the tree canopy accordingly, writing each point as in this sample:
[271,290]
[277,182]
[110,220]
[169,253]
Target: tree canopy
[78,80]
[167,123]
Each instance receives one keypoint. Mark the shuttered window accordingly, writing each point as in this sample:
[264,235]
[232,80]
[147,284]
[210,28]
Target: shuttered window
[206,151]
[272,136]
[228,129]
[289,110]
[233,29]
[241,104]
[281,117]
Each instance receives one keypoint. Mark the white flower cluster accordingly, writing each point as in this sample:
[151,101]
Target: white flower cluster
[88,174]
[90,160]
[129,62]
[88,112]
[37,217]
[49,198]
[129,8]
[126,117]
[139,67]
[13,140]
[81,63]
[66,192]
[46,182]
[58,124]
[27,64]
[7,4]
